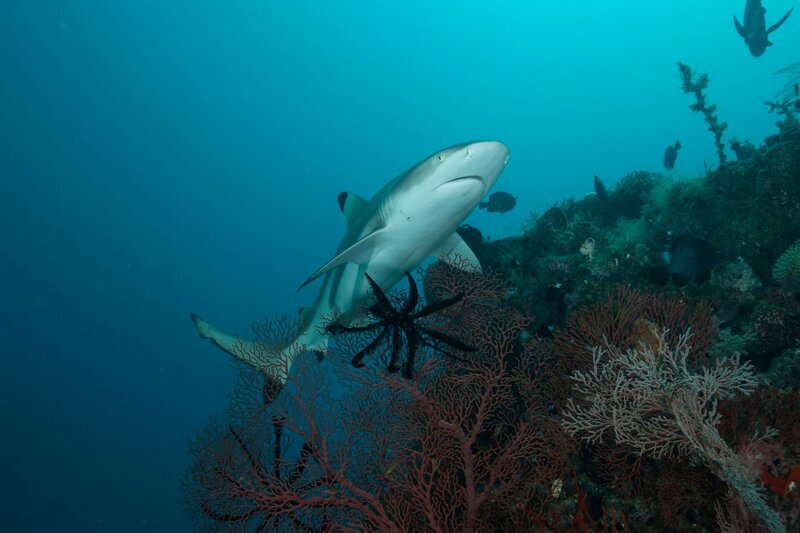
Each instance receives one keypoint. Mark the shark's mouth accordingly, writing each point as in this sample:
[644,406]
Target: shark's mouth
[461,178]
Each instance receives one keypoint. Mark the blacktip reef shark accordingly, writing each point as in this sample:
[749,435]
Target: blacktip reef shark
[412,217]
[754,31]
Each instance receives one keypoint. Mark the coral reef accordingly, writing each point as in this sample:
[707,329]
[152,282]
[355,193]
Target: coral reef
[651,402]
[436,453]
[636,367]
[595,273]
[787,267]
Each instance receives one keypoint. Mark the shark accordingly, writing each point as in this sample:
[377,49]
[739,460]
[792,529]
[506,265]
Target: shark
[754,31]
[412,217]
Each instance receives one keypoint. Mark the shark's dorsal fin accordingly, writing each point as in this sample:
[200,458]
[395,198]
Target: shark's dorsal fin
[359,252]
[739,27]
[351,205]
[778,24]
[455,245]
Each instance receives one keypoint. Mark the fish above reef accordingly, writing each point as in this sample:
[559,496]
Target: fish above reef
[412,217]
[471,235]
[600,189]
[754,30]
[671,154]
[689,259]
[499,202]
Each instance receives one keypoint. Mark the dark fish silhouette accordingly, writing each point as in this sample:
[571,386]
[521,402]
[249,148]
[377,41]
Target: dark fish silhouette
[754,31]
[600,189]
[471,235]
[671,154]
[499,202]
[690,259]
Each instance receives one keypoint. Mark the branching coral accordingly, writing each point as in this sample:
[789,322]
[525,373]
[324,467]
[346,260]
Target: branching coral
[697,86]
[788,109]
[787,101]
[652,403]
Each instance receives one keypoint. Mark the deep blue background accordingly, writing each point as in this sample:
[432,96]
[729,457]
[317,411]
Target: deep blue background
[161,157]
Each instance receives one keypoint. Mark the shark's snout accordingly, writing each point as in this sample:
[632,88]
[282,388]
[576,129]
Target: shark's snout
[487,159]
[470,169]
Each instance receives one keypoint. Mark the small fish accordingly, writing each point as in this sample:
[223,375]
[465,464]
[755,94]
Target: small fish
[471,235]
[671,154]
[754,31]
[499,202]
[600,189]
[689,259]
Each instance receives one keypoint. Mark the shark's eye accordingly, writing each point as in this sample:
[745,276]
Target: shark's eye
[440,157]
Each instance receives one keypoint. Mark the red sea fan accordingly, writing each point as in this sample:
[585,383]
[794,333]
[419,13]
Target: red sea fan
[457,448]
[629,317]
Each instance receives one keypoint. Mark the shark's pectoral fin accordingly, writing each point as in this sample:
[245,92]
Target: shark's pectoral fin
[739,28]
[455,245]
[351,205]
[778,24]
[360,252]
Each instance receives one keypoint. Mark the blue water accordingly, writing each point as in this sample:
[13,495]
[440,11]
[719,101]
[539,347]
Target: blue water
[162,157]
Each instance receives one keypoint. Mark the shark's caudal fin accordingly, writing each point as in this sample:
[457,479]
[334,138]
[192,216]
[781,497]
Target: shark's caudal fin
[245,350]
[223,340]
[257,354]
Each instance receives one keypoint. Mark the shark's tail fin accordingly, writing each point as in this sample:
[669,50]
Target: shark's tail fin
[218,337]
[249,351]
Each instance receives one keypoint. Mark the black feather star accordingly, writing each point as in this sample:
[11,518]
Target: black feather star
[394,324]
